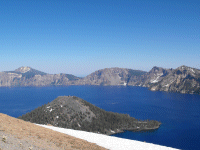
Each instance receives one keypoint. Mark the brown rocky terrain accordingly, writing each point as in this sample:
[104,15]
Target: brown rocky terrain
[18,134]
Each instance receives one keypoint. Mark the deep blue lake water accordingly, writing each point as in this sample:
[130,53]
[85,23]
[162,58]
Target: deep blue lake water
[179,113]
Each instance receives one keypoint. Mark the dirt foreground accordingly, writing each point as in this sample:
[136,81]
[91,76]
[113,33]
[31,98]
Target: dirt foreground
[17,134]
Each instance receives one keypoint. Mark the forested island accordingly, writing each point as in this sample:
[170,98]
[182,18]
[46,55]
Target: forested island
[75,113]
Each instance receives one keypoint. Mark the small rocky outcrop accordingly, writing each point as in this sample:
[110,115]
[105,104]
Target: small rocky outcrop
[76,113]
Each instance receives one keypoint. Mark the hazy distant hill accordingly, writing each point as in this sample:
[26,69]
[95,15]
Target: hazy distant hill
[183,79]
[26,76]
[76,113]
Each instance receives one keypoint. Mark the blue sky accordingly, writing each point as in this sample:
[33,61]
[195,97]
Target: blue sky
[82,36]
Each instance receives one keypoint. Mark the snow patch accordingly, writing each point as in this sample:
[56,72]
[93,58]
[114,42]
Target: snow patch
[112,131]
[192,70]
[24,69]
[119,76]
[156,80]
[166,85]
[109,142]
[15,75]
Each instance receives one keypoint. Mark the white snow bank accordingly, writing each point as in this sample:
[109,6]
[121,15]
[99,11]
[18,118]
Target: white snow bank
[109,142]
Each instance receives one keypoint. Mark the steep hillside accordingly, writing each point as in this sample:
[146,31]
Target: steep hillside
[17,134]
[183,79]
[155,75]
[110,76]
[76,113]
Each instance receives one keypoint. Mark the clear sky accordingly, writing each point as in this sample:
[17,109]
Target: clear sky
[82,36]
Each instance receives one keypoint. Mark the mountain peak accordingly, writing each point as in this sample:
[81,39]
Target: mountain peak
[183,67]
[23,69]
[155,69]
[28,71]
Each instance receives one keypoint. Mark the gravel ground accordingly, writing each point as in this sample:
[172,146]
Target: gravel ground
[10,142]
[16,134]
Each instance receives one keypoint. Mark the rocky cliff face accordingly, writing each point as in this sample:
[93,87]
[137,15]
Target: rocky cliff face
[183,79]
[155,75]
[110,76]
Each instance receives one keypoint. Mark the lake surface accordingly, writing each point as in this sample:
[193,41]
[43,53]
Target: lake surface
[179,113]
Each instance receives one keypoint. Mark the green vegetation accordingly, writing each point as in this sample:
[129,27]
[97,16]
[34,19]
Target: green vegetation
[32,73]
[71,77]
[136,72]
[4,138]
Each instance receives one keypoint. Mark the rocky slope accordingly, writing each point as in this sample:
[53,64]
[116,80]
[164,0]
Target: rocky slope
[183,79]
[19,134]
[110,76]
[26,76]
[155,75]
[76,113]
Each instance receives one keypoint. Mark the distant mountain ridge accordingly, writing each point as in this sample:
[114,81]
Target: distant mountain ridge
[26,76]
[182,79]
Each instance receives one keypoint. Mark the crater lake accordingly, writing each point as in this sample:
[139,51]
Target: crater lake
[178,113]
